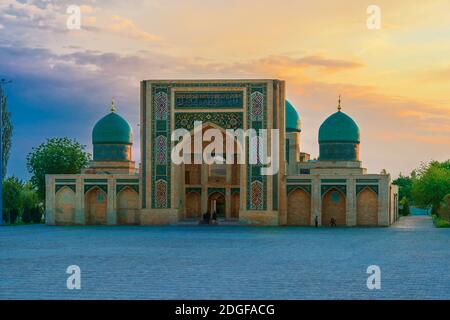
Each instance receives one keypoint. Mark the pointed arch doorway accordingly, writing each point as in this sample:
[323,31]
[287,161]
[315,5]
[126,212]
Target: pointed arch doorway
[216,203]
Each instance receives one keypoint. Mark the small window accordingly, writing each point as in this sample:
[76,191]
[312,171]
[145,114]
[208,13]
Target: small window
[100,197]
[217,170]
[304,171]
[335,197]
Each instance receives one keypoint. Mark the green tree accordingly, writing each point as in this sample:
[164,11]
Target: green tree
[404,184]
[55,156]
[29,202]
[7,129]
[431,184]
[444,208]
[11,193]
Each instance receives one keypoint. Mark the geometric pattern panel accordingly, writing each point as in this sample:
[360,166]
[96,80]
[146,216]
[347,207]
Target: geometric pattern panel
[161,106]
[257,112]
[256,195]
[161,150]
[256,119]
[161,194]
[161,147]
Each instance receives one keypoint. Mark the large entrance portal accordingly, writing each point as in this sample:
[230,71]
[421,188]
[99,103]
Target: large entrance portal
[212,187]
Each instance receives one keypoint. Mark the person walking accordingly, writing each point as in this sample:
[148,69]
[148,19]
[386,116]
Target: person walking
[333,222]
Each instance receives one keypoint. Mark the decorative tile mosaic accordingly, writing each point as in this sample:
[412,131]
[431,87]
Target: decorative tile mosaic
[161,106]
[306,188]
[213,190]
[103,187]
[209,100]
[373,187]
[257,196]
[256,117]
[226,120]
[60,186]
[161,147]
[324,188]
[161,150]
[161,194]
[120,187]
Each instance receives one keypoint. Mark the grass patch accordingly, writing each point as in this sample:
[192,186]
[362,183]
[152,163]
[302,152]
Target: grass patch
[440,222]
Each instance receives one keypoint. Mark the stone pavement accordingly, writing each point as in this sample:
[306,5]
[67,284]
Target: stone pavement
[201,262]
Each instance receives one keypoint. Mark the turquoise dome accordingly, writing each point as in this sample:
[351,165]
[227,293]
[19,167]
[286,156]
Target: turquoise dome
[339,127]
[112,129]
[292,118]
[339,138]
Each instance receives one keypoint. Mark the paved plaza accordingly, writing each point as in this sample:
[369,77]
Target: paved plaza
[228,262]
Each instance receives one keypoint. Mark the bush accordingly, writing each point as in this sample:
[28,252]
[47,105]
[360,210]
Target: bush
[444,208]
[20,202]
[11,193]
[404,207]
[440,222]
[36,214]
[29,203]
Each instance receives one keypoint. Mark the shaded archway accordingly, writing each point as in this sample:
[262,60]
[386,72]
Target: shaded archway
[367,208]
[65,206]
[299,208]
[216,202]
[95,204]
[334,206]
[127,206]
[235,205]
[193,205]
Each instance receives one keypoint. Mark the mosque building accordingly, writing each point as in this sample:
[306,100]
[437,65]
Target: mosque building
[334,189]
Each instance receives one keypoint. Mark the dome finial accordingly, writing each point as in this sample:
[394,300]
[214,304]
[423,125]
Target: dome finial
[113,107]
[339,104]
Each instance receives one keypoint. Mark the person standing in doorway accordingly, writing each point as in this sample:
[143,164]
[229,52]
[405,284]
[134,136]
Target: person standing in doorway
[316,221]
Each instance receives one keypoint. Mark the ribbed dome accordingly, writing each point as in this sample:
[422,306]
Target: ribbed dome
[112,129]
[339,127]
[293,123]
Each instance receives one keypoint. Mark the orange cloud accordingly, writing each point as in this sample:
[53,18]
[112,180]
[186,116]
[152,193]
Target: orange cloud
[128,28]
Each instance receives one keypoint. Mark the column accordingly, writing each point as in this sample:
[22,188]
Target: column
[50,200]
[316,200]
[383,200]
[80,216]
[204,181]
[111,216]
[351,202]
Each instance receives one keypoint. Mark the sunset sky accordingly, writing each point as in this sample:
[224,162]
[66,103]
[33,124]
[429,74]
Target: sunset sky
[395,82]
